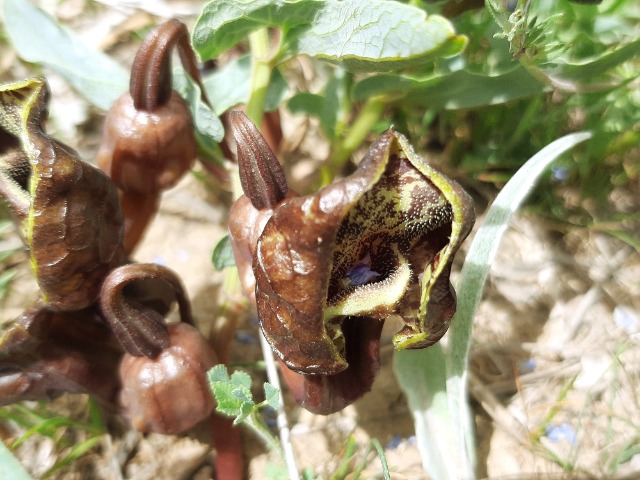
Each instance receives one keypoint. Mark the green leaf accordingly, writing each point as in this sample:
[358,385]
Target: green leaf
[587,72]
[222,256]
[224,23]
[438,403]
[232,394]
[361,35]
[378,35]
[241,379]
[306,103]
[325,106]
[209,128]
[10,467]
[39,39]
[218,374]
[271,396]
[231,86]
[456,90]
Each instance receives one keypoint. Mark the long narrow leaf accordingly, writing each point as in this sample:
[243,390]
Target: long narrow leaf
[39,39]
[10,467]
[418,372]
[475,270]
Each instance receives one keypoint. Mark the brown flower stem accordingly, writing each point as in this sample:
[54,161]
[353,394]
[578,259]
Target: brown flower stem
[227,439]
[138,210]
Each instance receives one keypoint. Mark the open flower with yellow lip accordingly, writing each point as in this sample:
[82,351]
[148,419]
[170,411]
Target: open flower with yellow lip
[331,266]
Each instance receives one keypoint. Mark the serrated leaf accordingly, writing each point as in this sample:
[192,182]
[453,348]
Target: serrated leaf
[218,374]
[271,396]
[456,90]
[360,35]
[224,23]
[241,379]
[222,255]
[231,85]
[227,404]
[39,39]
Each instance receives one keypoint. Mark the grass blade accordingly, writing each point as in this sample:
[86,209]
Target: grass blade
[10,467]
[475,270]
[421,374]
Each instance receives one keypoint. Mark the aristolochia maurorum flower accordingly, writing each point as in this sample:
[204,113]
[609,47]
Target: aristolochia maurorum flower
[376,244]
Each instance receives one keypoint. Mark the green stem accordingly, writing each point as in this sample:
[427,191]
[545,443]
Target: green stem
[368,117]
[255,423]
[261,69]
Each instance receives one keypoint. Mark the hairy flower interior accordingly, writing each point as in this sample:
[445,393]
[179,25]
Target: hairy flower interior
[398,226]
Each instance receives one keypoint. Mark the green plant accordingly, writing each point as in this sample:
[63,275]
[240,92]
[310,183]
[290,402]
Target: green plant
[41,421]
[527,76]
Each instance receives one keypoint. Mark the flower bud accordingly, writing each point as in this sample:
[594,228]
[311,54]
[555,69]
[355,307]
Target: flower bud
[169,394]
[147,151]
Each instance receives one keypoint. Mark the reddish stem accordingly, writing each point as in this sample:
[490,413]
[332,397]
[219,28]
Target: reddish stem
[138,210]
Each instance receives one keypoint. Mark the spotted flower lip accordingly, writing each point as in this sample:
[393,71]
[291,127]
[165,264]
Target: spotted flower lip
[377,243]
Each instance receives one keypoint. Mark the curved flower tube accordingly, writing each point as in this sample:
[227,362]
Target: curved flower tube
[46,353]
[169,394]
[68,210]
[134,300]
[328,268]
[148,141]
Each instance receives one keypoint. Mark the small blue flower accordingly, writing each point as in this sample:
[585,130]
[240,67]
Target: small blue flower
[527,366]
[394,442]
[560,173]
[626,319]
[565,431]
[361,272]
[244,336]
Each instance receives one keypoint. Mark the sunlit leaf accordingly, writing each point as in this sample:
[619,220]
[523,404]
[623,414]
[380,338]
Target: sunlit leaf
[361,35]
[439,405]
[367,35]
[10,467]
[39,39]
[224,23]
[460,89]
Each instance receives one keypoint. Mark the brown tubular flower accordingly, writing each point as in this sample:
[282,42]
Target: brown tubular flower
[329,268]
[68,210]
[375,244]
[46,353]
[169,394]
[148,140]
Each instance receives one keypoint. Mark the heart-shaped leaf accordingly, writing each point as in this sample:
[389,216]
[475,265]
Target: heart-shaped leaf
[360,35]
